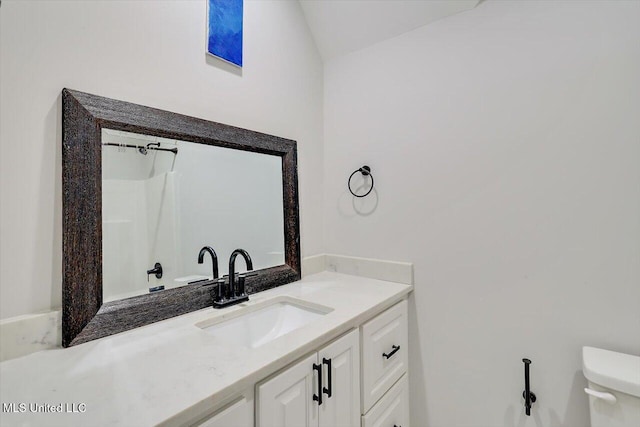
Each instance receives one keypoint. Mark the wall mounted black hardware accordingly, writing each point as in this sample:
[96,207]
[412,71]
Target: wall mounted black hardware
[328,390]
[365,171]
[527,394]
[318,397]
[394,350]
[156,288]
[156,270]
[232,295]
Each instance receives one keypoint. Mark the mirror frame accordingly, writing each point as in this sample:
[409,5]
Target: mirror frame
[84,316]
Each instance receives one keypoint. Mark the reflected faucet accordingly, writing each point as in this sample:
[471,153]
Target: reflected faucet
[214,259]
[231,290]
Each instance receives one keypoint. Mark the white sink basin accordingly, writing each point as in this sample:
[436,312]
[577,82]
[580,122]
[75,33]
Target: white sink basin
[263,322]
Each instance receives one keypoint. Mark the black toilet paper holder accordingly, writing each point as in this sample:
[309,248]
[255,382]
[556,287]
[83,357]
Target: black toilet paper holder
[527,394]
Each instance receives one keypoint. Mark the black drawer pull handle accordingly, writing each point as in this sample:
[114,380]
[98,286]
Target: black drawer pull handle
[328,363]
[396,425]
[318,397]
[394,350]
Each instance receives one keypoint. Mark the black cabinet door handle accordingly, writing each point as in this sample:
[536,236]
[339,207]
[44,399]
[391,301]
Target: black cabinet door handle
[328,363]
[318,397]
[394,350]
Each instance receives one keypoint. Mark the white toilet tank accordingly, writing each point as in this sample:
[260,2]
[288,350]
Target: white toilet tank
[614,387]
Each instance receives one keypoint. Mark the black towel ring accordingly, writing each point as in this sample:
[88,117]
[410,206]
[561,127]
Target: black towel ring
[365,171]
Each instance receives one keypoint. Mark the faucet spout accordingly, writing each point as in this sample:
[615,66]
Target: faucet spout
[214,259]
[231,290]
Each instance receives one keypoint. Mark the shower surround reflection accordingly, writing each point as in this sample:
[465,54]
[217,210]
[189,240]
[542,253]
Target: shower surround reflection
[162,200]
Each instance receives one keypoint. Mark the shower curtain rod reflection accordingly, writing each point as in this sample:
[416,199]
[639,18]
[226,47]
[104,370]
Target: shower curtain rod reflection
[141,148]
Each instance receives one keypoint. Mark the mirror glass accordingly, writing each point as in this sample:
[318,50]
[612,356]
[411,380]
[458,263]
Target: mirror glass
[164,199]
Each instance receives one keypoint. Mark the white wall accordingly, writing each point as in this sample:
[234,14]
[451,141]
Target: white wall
[150,53]
[505,144]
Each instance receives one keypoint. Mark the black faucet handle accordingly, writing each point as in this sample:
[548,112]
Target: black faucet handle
[240,285]
[220,290]
[241,282]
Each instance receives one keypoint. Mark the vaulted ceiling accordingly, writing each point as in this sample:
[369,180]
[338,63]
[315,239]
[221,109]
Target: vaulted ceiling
[343,26]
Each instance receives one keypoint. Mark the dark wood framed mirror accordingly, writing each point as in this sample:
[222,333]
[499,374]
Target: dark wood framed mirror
[85,314]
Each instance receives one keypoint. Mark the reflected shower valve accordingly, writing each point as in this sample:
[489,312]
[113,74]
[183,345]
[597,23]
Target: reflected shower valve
[157,270]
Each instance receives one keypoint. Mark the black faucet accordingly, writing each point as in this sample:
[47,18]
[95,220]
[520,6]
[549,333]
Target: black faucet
[233,296]
[231,290]
[214,259]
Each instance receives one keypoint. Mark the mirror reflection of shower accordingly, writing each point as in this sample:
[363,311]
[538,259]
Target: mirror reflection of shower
[139,210]
[163,200]
[128,143]
[144,150]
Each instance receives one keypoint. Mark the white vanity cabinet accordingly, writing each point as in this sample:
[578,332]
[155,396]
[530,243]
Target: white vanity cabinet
[392,409]
[385,391]
[341,360]
[322,390]
[238,413]
[359,379]
[385,358]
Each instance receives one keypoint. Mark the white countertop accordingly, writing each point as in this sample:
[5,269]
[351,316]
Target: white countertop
[173,369]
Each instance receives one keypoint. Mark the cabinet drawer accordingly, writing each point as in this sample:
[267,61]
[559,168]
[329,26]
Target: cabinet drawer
[384,353]
[392,409]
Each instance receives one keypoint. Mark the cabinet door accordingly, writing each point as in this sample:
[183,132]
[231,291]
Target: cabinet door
[392,409]
[286,400]
[384,353]
[238,414]
[341,381]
